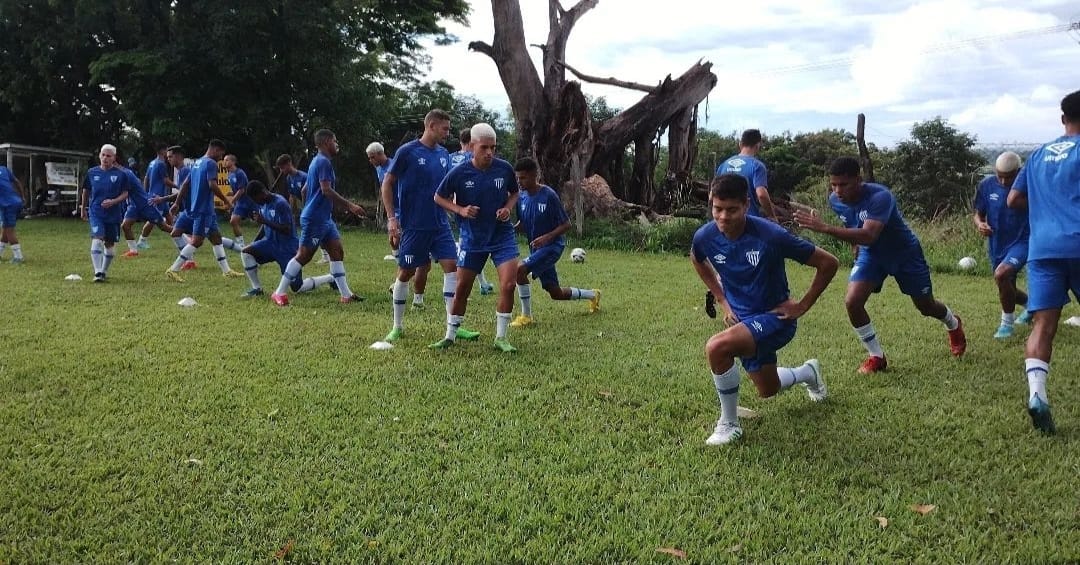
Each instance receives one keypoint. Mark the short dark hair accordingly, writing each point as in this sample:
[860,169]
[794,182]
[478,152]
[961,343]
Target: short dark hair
[729,186]
[750,138]
[436,115]
[526,165]
[177,149]
[465,136]
[845,167]
[283,159]
[217,143]
[1070,107]
[255,189]
[323,135]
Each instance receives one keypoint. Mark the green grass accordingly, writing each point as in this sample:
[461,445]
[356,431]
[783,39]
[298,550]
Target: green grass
[133,430]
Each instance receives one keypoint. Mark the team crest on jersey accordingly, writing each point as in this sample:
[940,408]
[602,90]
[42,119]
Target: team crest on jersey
[113,177]
[273,214]
[754,257]
[499,183]
[442,161]
[542,206]
[421,161]
[720,259]
[863,215]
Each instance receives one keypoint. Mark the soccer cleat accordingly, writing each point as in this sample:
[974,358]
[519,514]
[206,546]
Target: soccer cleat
[443,344]
[504,346]
[418,305]
[253,292]
[16,260]
[1041,419]
[1024,317]
[725,433]
[351,298]
[467,335]
[486,289]
[280,299]
[131,253]
[1004,331]
[873,364]
[143,245]
[231,274]
[594,302]
[99,277]
[522,321]
[710,304]
[173,275]
[817,389]
[957,340]
[332,285]
[189,266]
[394,335]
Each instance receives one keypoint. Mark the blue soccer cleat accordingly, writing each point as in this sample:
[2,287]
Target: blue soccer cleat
[1024,317]
[1041,419]
[1004,331]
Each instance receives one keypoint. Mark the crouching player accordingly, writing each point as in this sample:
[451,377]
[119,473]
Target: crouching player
[140,209]
[748,254]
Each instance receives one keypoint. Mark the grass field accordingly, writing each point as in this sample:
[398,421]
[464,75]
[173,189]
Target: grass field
[134,430]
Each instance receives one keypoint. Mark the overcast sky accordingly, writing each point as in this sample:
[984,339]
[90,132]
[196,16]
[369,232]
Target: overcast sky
[995,69]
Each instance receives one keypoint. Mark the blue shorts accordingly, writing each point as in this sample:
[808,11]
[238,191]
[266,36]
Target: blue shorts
[184,223]
[910,271]
[1015,255]
[314,234]
[419,247]
[474,260]
[244,208]
[106,231]
[147,213]
[1049,283]
[541,264]
[770,335]
[203,224]
[163,207]
[266,251]
[9,214]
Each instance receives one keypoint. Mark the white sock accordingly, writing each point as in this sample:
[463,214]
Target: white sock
[449,287]
[727,389]
[236,245]
[109,254]
[3,246]
[525,294]
[1008,318]
[185,255]
[16,250]
[311,283]
[401,292]
[179,242]
[502,322]
[418,299]
[870,340]
[1037,370]
[97,254]
[222,260]
[452,324]
[581,294]
[251,269]
[789,376]
[131,245]
[292,270]
[950,320]
[337,268]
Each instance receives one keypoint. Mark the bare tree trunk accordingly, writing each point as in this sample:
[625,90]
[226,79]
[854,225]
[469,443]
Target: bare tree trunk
[864,153]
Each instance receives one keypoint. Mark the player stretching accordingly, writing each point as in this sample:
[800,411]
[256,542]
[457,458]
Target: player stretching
[748,253]
[1006,230]
[140,209]
[543,220]
[887,247]
[317,228]
[482,192]
[157,183]
[11,203]
[104,188]
[242,205]
[1049,186]
[376,155]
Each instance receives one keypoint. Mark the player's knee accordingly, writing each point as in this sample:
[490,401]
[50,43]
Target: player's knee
[1003,276]
[767,389]
[718,347]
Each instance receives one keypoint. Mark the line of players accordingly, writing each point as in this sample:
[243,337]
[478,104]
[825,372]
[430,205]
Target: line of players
[740,259]
[420,185]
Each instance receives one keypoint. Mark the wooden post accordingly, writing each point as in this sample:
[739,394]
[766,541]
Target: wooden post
[864,153]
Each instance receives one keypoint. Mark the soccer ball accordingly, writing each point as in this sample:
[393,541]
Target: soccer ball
[577,255]
[967,263]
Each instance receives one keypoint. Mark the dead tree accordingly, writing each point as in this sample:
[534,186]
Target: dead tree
[864,153]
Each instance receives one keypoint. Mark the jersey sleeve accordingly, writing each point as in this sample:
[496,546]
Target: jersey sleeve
[1021,183]
[321,173]
[511,181]
[979,203]
[560,212]
[697,247]
[880,206]
[210,173]
[792,246]
[284,211]
[399,163]
[241,179]
[761,176]
[446,185]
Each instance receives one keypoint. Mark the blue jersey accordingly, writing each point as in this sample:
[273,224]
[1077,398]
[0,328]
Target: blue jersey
[296,182]
[418,170]
[488,190]
[8,195]
[1010,225]
[753,171]
[278,211]
[541,213]
[106,184]
[1051,181]
[878,204]
[459,157]
[751,266]
[155,178]
[238,180]
[318,207]
[381,170]
[136,193]
[201,190]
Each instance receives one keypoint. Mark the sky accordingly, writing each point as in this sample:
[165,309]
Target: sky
[994,69]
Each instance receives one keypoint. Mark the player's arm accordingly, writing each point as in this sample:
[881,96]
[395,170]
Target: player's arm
[386,194]
[179,197]
[766,203]
[550,236]
[503,214]
[284,228]
[219,193]
[981,225]
[84,204]
[865,235]
[825,265]
[708,275]
[1017,199]
[327,189]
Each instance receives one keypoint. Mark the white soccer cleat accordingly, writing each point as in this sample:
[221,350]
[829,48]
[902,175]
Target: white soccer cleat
[725,433]
[816,389]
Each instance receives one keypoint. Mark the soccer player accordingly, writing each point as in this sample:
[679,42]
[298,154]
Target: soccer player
[198,191]
[295,179]
[11,203]
[482,192]
[182,224]
[747,165]
[376,155]
[276,242]
[157,183]
[317,226]
[417,227]
[748,253]
[543,220]
[104,189]
[465,153]
[1006,230]
[140,209]
[242,205]
[1049,187]
[886,247]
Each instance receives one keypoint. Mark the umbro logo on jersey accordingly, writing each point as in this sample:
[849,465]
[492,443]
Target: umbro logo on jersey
[843,219]
[757,326]
[542,207]
[469,184]
[863,215]
[736,163]
[754,257]
[499,183]
[720,259]
[97,178]
[421,161]
[995,197]
[1060,151]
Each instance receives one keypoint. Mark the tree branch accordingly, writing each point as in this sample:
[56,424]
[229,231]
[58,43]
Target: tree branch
[580,8]
[481,47]
[609,81]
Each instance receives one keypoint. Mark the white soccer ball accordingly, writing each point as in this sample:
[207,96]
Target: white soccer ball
[967,263]
[577,255]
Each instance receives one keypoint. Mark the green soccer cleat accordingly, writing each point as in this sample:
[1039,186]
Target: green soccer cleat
[504,346]
[394,335]
[442,345]
[467,335]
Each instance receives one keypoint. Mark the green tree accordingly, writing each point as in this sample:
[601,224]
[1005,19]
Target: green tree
[932,172]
